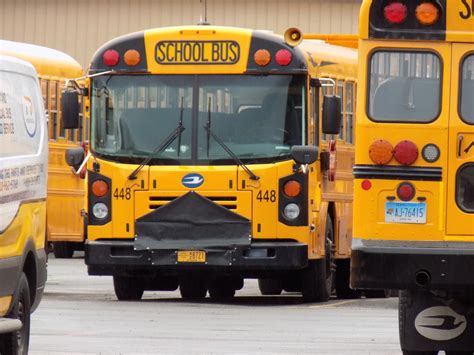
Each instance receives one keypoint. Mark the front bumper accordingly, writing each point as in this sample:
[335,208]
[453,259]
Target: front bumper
[377,264]
[113,257]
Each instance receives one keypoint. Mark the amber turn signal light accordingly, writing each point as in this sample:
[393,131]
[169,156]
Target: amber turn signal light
[292,188]
[131,57]
[262,57]
[427,13]
[381,152]
[100,188]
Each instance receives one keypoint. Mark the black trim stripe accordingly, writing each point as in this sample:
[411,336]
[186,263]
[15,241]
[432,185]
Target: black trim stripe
[397,173]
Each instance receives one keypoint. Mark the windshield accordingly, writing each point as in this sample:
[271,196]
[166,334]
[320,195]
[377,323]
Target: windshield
[258,117]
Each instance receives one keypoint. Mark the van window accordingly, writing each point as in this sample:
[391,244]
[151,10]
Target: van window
[20,125]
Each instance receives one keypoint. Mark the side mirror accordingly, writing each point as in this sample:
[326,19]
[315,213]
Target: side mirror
[70,109]
[74,157]
[332,115]
[304,154]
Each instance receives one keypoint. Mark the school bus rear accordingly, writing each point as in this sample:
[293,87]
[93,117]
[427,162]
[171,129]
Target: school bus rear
[413,205]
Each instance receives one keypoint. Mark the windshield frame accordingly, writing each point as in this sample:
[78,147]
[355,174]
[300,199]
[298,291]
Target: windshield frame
[194,160]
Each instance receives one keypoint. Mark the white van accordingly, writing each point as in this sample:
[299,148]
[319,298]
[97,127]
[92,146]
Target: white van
[23,172]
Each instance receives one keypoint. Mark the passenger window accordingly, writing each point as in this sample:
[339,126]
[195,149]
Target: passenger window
[350,112]
[340,93]
[467,90]
[465,188]
[53,113]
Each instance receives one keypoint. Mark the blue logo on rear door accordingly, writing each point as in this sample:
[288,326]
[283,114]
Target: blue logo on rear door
[192,180]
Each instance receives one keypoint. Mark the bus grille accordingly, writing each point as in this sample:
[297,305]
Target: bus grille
[229,202]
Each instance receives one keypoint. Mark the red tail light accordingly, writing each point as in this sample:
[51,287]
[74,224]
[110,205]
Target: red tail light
[111,57]
[100,188]
[406,191]
[406,152]
[395,12]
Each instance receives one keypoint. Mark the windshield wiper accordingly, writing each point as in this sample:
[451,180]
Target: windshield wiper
[224,146]
[163,145]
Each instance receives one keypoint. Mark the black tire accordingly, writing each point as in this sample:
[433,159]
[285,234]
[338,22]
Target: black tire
[128,288]
[318,277]
[192,289]
[17,343]
[270,287]
[378,293]
[343,290]
[63,250]
[221,290]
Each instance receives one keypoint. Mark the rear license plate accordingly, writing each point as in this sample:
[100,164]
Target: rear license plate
[191,256]
[405,212]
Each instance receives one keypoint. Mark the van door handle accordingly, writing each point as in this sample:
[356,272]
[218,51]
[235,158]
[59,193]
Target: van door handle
[460,140]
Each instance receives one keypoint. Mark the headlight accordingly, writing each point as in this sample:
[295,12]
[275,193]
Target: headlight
[291,211]
[100,210]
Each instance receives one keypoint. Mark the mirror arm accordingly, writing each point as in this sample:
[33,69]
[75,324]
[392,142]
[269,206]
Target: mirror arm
[327,82]
[84,162]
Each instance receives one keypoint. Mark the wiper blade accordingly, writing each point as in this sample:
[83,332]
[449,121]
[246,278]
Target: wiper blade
[163,145]
[239,162]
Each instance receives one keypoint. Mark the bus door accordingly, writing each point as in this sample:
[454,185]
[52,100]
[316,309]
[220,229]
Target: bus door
[460,173]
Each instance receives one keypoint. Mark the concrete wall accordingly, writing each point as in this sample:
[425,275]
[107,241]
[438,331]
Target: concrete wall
[79,27]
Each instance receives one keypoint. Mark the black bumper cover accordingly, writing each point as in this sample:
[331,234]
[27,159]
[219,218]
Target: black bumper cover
[385,265]
[111,257]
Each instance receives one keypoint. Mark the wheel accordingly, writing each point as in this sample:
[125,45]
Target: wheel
[63,250]
[378,293]
[192,289]
[221,289]
[343,290]
[270,287]
[128,288]
[17,343]
[317,279]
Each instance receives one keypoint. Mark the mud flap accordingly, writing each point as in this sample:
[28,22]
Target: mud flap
[427,323]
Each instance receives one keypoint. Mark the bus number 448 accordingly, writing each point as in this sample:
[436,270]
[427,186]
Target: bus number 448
[123,194]
[267,196]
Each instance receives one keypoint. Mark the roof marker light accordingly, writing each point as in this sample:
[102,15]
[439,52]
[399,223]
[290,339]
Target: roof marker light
[283,57]
[111,57]
[395,12]
[427,13]
[262,57]
[132,57]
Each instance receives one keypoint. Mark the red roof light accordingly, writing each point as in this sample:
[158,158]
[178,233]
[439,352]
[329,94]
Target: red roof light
[111,57]
[283,57]
[395,13]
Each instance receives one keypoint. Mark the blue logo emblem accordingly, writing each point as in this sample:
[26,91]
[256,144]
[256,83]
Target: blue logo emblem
[192,180]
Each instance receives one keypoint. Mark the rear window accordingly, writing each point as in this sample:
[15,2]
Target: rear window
[467,90]
[404,87]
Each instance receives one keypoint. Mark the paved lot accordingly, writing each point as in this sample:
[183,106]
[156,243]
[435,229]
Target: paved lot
[79,314]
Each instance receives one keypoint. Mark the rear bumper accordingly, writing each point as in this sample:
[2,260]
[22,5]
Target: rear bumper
[406,265]
[112,257]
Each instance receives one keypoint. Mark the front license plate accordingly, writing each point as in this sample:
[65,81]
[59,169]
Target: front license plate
[191,256]
[405,212]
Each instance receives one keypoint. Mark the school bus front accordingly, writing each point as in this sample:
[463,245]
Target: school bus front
[192,180]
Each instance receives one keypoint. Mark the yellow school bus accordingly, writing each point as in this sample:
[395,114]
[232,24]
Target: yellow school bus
[212,161]
[65,190]
[414,172]
[23,174]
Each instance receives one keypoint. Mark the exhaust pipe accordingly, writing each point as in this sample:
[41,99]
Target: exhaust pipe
[422,278]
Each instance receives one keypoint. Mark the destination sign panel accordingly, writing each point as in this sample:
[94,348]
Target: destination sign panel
[197,52]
